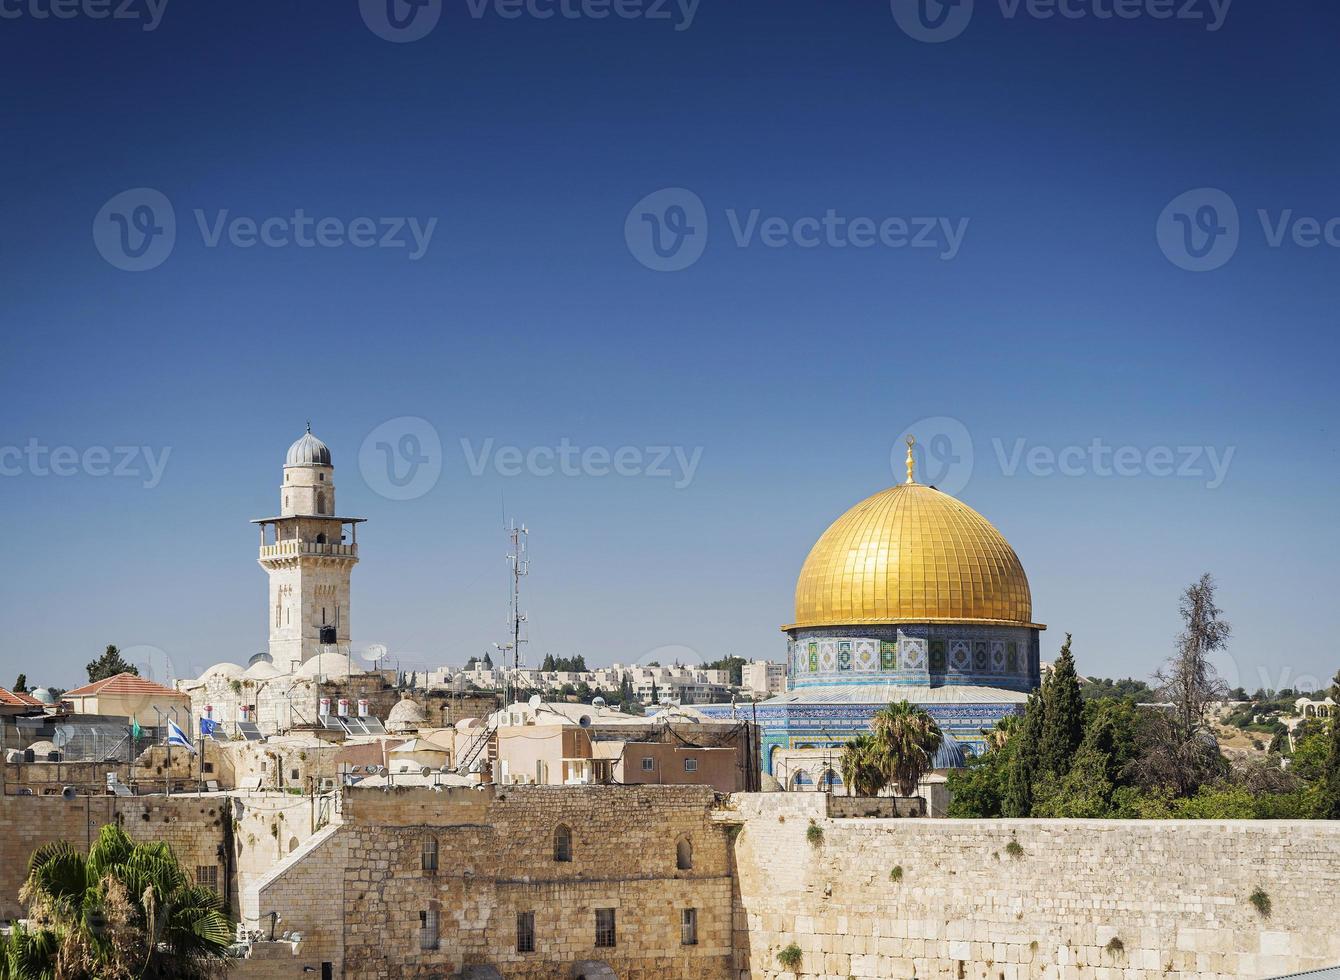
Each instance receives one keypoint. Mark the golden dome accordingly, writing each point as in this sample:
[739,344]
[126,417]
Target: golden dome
[911,554]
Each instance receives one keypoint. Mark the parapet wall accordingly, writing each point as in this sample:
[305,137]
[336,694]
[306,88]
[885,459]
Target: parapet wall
[196,827]
[1012,899]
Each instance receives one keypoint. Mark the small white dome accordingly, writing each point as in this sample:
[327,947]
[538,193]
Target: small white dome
[262,671]
[328,664]
[224,670]
[308,451]
[405,716]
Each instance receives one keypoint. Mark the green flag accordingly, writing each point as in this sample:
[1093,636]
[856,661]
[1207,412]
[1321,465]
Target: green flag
[134,728]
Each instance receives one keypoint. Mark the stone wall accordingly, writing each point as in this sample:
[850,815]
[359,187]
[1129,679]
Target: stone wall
[196,827]
[495,860]
[1012,899]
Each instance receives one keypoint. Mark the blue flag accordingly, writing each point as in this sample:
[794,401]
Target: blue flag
[208,726]
[175,736]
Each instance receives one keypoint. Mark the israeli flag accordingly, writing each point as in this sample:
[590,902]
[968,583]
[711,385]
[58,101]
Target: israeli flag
[175,736]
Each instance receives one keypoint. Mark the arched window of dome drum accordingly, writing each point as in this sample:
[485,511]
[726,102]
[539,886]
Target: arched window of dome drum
[320,539]
[562,843]
[684,854]
[428,854]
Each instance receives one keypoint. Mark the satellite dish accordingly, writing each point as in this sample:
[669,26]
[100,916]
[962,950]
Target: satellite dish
[68,793]
[535,702]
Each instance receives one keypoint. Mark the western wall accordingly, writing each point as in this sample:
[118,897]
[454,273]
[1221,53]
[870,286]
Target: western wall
[1010,899]
[863,897]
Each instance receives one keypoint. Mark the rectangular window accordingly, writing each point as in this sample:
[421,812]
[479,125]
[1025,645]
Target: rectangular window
[428,929]
[648,763]
[688,927]
[525,932]
[605,927]
[690,765]
[428,854]
[207,876]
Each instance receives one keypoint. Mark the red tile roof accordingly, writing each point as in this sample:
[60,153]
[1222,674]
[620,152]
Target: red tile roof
[12,699]
[122,684]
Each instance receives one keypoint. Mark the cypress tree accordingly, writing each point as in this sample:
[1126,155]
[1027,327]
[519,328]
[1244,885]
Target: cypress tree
[1024,763]
[1063,727]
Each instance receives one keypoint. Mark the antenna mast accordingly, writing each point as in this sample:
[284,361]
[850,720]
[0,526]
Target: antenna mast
[519,563]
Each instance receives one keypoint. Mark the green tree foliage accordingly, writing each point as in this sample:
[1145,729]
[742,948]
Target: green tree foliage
[565,665]
[1063,717]
[109,665]
[21,684]
[906,740]
[978,790]
[487,662]
[1025,762]
[1328,804]
[862,772]
[1127,687]
[125,911]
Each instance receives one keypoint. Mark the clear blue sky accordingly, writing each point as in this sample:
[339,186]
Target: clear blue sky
[529,319]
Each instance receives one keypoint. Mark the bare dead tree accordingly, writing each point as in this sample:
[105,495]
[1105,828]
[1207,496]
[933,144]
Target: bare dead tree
[1183,752]
[1188,680]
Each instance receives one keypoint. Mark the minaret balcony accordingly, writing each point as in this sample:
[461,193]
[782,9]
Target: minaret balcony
[297,549]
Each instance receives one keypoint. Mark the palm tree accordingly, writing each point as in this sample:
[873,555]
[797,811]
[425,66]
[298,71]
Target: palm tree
[861,769]
[126,911]
[906,740]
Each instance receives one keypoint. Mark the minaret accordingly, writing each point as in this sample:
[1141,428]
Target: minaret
[308,555]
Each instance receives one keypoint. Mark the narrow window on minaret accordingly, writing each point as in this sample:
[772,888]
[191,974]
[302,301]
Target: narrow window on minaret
[323,615]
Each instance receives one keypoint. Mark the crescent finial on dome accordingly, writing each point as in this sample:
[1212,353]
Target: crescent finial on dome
[911,464]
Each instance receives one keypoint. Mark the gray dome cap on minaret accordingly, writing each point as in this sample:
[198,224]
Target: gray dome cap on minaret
[308,451]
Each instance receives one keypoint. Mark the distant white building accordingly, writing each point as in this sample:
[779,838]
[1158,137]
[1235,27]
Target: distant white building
[683,685]
[764,678]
